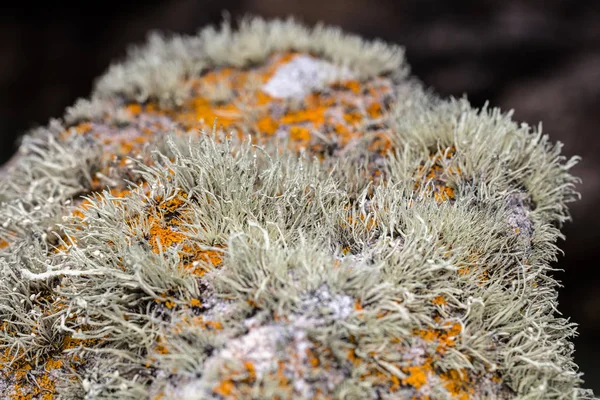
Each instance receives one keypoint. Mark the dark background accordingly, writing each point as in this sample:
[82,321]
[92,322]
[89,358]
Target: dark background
[541,58]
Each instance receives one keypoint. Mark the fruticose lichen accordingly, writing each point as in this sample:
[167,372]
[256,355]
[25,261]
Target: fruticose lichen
[281,212]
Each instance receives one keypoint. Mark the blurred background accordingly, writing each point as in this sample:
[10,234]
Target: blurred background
[540,57]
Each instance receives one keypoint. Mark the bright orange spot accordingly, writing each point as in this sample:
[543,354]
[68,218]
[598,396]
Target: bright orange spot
[134,108]
[357,306]
[439,301]
[458,384]
[196,303]
[224,388]
[170,304]
[374,110]
[353,85]
[300,133]
[267,125]
[417,376]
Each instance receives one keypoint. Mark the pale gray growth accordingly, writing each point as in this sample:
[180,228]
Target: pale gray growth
[89,110]
[260,346]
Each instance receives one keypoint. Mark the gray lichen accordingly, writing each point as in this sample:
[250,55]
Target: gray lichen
[202,265]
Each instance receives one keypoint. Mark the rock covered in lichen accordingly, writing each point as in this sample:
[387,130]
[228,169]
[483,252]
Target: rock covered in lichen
[280,211]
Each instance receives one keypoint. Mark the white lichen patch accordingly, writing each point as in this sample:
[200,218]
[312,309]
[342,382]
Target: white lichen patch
[303,74]
[321,307]
[260,346]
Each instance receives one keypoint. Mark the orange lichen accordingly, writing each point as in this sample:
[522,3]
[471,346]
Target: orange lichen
[267,125]
[162,349]
[224,388]
[439,301]
[300,133]
[458,384]
[35,383]
[352,85]
[436,175]
[315,115]
[381,143]
[417,375]
[353,357]
[365,221]
[455,329]
[312,359]
[134,108]
[357,306]
[83,206]
[196,303]
[375,110]
[84,127]
[170,304]
[444,338]
[251,371]
[54,364]
[205,112]
[193,322]
[162,237]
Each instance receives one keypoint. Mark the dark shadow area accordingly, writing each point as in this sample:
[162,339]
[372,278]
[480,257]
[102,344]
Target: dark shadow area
[541,58]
